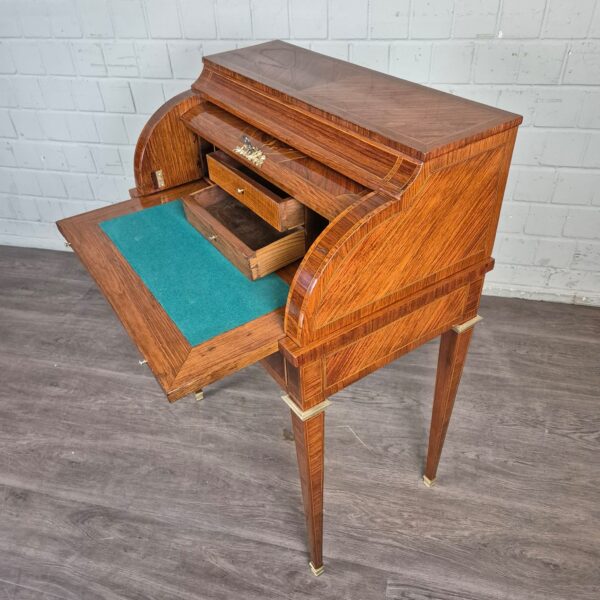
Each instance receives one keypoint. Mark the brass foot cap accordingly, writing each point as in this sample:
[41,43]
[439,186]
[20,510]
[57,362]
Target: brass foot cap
[199,395]
[428,482]
[316,572]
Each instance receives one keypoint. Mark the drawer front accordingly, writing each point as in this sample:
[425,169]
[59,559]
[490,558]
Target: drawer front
[252,245]
[272,205]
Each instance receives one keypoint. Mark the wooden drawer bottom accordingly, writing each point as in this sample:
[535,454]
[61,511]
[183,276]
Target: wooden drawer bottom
[250,243]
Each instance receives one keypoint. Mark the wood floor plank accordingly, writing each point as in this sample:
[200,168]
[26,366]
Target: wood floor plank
[109,492]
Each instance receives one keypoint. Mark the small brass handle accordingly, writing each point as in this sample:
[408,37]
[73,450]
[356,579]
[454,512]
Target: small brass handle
[212,238]
[240,190]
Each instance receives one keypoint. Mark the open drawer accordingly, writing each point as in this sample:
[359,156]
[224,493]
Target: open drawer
[250,243]
[261,196]
[220,327]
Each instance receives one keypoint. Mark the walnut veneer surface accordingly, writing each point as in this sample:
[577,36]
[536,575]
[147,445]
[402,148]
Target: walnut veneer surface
[401,188]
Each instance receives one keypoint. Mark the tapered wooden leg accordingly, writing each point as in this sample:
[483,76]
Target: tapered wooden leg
[453,352]
[309,436]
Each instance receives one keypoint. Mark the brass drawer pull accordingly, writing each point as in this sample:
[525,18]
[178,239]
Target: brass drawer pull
[212,238]
[240,190]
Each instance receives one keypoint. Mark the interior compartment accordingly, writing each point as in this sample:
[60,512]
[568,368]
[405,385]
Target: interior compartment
[249,242]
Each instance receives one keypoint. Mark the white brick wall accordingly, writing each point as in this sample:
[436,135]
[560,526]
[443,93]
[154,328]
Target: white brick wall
[78,79]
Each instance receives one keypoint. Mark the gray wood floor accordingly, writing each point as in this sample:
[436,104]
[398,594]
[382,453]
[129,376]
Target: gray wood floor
[107,491]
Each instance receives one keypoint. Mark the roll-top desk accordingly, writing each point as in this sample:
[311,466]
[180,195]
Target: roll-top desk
[358,208]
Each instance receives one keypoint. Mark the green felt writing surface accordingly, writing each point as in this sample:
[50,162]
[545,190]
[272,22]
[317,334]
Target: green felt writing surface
[200,290]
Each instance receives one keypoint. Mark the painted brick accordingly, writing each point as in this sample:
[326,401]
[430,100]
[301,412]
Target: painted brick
[583,64]
[134,125]
[592,153]
[521,100]
[147,96]
[308,18]
[496,62]
[95,18]
[270,20]
[410,61]
[120,59]
[234,19]
[79,158]
[128,19]
[558,107]
[371,55]
[186,59]
[163,21]
[104,188]
[8,97]
[389,19]
[521,19]
[34,18]
[198,19]
[541,63]
[88,58]
[475,18]
[7,154]
[7,128]
[27,58]
[7,64]
[568,19]
[108,160]
[513,217]
[583,223]
[431,19]
[86,95]
[480,93]
[54,126]
[587,256]
[28,92]
[116,96]
[27,185]
[77,186]
[82,127]
[576,187]
[51,184]
[64,19]
[594,31]
[57,59]
[546,220]
[111,129]
[127,154]
[451,62]
[564,148]
[554,253]
[514,249]
[334,49]
[52,157]
[590,115]
[57,92]
[153,59]
[348,19]
[9,23]
[27,125]
[529,147]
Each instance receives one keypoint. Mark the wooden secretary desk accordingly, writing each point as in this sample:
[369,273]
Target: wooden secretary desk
[310,214]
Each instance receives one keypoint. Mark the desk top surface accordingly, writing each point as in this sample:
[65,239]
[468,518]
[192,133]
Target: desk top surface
[411,115]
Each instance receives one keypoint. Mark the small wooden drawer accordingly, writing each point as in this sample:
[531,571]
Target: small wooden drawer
[258,194]
[250,243]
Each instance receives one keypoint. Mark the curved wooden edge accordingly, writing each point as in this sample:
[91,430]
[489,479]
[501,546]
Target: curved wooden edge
[167,153]
[323,297]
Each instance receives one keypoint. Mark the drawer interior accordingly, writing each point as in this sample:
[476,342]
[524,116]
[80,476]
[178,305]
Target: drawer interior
[248,241]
